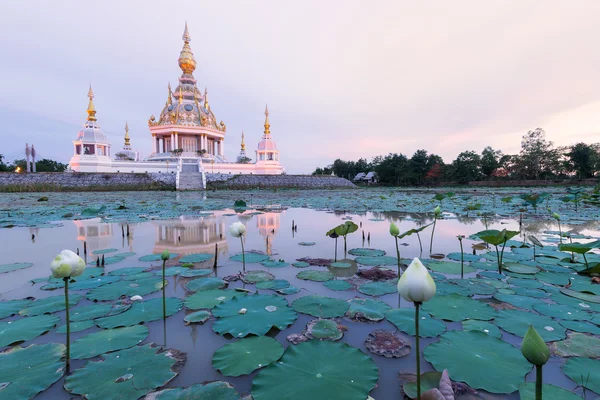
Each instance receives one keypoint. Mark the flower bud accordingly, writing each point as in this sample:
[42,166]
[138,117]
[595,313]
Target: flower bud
[534,348]
[67,264]
[437,211]
[556,216]
[416,284]
[237,229]
[165,255]
[394,231]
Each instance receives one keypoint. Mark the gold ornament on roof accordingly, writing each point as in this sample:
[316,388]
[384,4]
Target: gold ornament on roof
[126,134]
[206,105]
[187,63]
[243,144]
[91,110]
[169,99]
[267,125]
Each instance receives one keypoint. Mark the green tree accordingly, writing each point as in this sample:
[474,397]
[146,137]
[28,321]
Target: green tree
[466,167]
[43,165]
[392,169]
[490,160]
[418,166]
[3,166]
[534,153]
[583,159]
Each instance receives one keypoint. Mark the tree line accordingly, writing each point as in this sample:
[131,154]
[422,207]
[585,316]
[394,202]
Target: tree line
[538,159]
[44,165]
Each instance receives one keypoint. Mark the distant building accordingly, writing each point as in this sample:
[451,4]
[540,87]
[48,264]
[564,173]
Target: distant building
[370,177]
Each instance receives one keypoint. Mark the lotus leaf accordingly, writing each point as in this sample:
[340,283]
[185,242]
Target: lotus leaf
[404,319]
[262,313]
[108,340]
[315,275]
[367,252]
[76,326]
[454,307]
[104,251]
[115,290]
[145,366]
[517,322]
[561,311]
[217,390]
[581,326]
[141,311]
[451,268]
[195,258]
[338,285]
[195,273]
[49,305]
[155,257]
[584,371]
[201,284]
[246,355]
[198,317]
[301,264]
[323,329]
[482,326]
[88,273]
[12,307]
[28,328]
[469,356]
[318,370]
[467,257]
[518,268]
[376,261]
[554,278]
[97,310]
[378,288]
[27,371]
[342,265]
[172,271]
[288,290]
[127,271]
[250,257]
[257,276]
[208,299]
[474,286]
[4,268]
[370,309]
[321,306]
[518,301]
[589,298]
[274,264]
[578,344]
[526,283]
[549,392]
[275,284]
[578,248]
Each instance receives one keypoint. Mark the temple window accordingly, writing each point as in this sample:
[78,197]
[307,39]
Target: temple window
[89,149]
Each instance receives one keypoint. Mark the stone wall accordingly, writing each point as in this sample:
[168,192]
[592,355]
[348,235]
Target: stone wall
[223,181]
[557,182]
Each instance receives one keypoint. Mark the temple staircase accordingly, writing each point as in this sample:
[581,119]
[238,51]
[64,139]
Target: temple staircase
[190,174]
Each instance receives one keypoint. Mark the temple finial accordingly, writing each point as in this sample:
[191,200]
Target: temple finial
[206,105]
[169,99]
[187,63]
[91,110]
[186,34]
[126,134]
[243,144]
[267,125]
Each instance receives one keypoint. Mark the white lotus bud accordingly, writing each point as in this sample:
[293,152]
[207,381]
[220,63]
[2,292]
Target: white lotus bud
[237,229]
[67,264]
[416,284]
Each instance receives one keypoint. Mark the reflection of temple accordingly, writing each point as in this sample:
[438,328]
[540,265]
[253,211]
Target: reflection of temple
[191,234]
[96,233]
[268,226]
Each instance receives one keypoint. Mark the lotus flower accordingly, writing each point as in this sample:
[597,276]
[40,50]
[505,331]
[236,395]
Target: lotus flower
[67,264]
[165,255]
[556,216]
[534,348]
[437,211]
[237,229]
[394,230]
[416,284]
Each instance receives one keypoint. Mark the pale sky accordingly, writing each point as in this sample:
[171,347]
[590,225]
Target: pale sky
[343,79]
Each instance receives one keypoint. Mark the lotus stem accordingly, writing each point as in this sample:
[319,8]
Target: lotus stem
[462,259]
[398,257]
[432,232]
[499,260]
[243,255]
[538,382]
[345,246]
[502,255]
[163,291]
[586,262]
[420,244]
[534,252]
[68,323]
[418,351]
[217,256]
[335,254]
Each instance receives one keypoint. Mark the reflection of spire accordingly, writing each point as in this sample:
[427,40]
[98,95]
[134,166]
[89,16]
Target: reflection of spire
[126,134]
[91,110]
[267,125]
[243,144]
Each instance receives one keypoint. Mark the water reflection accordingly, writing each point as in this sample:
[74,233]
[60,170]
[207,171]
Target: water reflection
[96,234]
[191,234]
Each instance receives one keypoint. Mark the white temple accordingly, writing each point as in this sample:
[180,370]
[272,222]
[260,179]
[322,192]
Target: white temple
[186,133]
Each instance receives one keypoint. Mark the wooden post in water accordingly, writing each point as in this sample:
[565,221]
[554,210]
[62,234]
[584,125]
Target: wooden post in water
[84,247]
[216,256]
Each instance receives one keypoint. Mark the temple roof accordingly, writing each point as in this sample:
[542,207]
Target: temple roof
[267,142]
[91,132]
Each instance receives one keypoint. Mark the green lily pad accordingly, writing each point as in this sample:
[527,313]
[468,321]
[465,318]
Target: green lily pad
[301,264]
[28,328]
[27,371]
[200,284]
[469,356]
[195,273]
[581,326]
[171,271]
[318,370]
[262,313]
[141,311]
[12,307]
[370,309]
[367,252]
[315,275]
[561,311]
[96,310]
[156,257]
[584,371]
[519,268]
[197,317]
[482,326]
[321,306]
[338,285]
[526,283]
[208,299]
[554,278]
[378,288]
[217,390]
[549,392]
[127,271]
[257,276]
[104,251]
[4,268]
[145,366]
[467,257]
[76,326]
[579,345]
[454,307]
[517,322]
[590,298]
[195,258]
[340,265]
[246,355]
[250,257]
[473,286]
[115,290]
[274,264]
[524,302]
[534,293]
[404,319]
[377,261]
[275,284]
[108,340]
[323,329]
[49,305]
[451,268]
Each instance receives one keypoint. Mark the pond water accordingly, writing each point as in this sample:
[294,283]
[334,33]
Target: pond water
[270,232]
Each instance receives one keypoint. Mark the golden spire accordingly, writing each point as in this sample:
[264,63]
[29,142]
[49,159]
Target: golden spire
[180,95]
[91,110]
[243,144]
[169,100]
[206,105]
[126,134]
[187,63]
[267,125]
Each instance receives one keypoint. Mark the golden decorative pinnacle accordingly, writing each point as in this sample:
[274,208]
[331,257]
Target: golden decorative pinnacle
[186,34]
[187,63]
[243,144]
[91,110]
[206,105]
[180,95]
[126,134]
[169,100]
[267,125]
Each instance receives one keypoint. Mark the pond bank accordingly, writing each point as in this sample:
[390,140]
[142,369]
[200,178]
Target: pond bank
[75,181]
